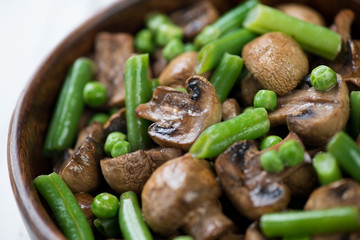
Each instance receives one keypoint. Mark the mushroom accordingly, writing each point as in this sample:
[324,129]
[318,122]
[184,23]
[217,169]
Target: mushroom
[81,172]
[129,172]
[254,191]
[253,232]
[192,19]
[249,87]
[313,115]
[180,117]
[159,63]
[85,200]
[276,61]
[182,193]
[94,130]
[302,12]
[111,52]
[230,109]
[116,122]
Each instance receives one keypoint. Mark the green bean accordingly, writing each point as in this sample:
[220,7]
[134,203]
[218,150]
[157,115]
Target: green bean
[308,223]
[326,168]
[137,92]
[291,152]
[353,127]
[108,227]
[131,221]
[251,124]
[120,148]
[105,205]
[266,99]
[62,131]
[172,49]
[313,38]
[112,139]
[346,152]
[269,141]
[94,94]
[232,43]
[65,207]
[323,78]
[271,162]
[225,74]
[230,20]
[145,41]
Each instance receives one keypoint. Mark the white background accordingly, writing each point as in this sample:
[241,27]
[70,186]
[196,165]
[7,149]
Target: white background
[29,30]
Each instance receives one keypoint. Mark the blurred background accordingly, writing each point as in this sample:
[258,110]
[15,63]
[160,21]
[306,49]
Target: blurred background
[29,31]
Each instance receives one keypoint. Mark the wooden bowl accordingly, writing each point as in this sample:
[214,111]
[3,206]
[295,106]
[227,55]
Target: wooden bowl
[33,111]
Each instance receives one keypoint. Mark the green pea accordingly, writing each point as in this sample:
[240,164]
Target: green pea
[167,32]
[172,49]
[183,238]
[111,140]
[323,78]
[269,141]
[105,205]
[291,152]
[99,117]
[144,41]
[113,110]
[155,20]
[266,99]
[120,148]
[271,162]
[189,47]
[94,94]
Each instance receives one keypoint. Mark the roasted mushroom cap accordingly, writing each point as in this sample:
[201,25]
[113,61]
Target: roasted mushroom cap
[302,12]
[230,109]
[180,117]
[129,172]
[254,191]
[116,122]
[94,130]
[85,200]
[313,115]
[276,61]
[183,193]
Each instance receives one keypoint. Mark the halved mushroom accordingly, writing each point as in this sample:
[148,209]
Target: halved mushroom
[183,193]
[116,122]
[230,109]
[254,191]
[85,200]
[94,130]
[180,117]
[302,12]
[192,19]
[81,172]
[313,115]
[253,232]
[249,87]
[111,52]
[129,172]
[277,61]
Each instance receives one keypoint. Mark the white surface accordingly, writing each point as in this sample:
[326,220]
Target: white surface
[29,30]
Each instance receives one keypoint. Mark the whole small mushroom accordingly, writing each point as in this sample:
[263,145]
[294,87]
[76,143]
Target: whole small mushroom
[276,61]
[183,193]
[302,12]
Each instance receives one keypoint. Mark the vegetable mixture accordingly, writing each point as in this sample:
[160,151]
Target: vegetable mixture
[208,125]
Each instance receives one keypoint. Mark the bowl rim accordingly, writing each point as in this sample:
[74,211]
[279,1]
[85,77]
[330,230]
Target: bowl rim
[38,223]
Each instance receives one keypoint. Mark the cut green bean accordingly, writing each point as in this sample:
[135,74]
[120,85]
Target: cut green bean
[251,124]
[229,21]
[137,91]
[326,168]
[108,227]
[225,74]
[65,207]
[308,223]
[62,131]
[172,49]
[232,43]
[131,221]
[313,38]
[353,127]
[347,153]
[145,41]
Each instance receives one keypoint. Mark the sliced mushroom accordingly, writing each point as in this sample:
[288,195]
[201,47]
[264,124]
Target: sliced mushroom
[180,117]
[254,191]
[230,109]
[342,24]
[111,52]
[302,12]
[116,122]
[94,130]
[276,61]
[81,172]
[253,232]
[183,193]
[249,87]
[85,200]
[192,19]
[129,172]
[315,116]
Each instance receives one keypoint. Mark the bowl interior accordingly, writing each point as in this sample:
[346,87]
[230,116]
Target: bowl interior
[33,111]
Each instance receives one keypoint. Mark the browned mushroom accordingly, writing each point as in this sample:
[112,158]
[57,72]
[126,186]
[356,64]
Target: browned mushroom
[315,116]
[253,232]
[183,193]
[254,191]
[302,12]
[249,87]
[111,52]
[94,130]
[85,200]
[230,109]
[81,172]
[276,61]
[180,117]
[116,122]
[192,19]
[129,172]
